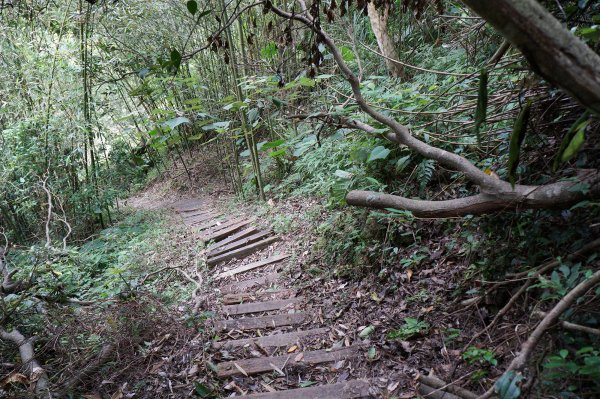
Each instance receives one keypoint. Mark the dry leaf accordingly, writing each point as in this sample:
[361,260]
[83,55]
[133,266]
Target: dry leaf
[15,378]
[277,369]
[241,370]
[293,349]
[268,387]
[299,357]
[409,274]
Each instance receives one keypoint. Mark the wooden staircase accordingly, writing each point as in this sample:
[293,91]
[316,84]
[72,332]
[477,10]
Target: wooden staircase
[268,331]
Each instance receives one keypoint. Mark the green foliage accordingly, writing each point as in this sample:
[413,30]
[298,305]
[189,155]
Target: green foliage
[474,355]
[572,141]
[411,328]
[568,364]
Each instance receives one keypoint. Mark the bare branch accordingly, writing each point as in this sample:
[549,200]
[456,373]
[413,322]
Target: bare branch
[36,372]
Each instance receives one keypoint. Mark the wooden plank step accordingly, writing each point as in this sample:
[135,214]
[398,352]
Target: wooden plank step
[241,253]
[265,364]
[251,266]
[232,299]
[195,212]
[244,285]
[219,234]
[188,206]
[244,233]
[211,224]
[240,243]
[344,390]
[275,340]
[202,219]
[252,323]
[257,307]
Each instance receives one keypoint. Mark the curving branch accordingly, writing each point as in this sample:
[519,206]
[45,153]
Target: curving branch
[495,194]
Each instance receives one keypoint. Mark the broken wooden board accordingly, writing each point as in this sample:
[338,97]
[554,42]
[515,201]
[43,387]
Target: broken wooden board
[244,233]
[258,307]
[276,363]
[223,232]
[195,223]
[239,243]
[252,323]
[202,217]
[275,340]
[232,299]
[345,390]
[196,212]
[212,223]
[251,266]
[241,253]
[241,286]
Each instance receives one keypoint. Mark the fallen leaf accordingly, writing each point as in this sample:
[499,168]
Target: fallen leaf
[293,349]
[299,357]
[409,274]
[277,369]
[15,378]
[241,370]
[366,331]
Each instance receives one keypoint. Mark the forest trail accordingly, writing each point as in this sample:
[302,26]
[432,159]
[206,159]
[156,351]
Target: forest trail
[273,339]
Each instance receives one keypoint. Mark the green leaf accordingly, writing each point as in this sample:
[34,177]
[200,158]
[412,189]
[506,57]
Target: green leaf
[175,60]
[272,144]
[269,51]
[343,174]
[506,387]
[366,331]
[516,139]
[575,144]
[379,152]
[306,82]
[278,153]
[202,390]
[482,102]
[372,353]
[192,7]
[573,130]
[306,384]
[347,54]
[173,123]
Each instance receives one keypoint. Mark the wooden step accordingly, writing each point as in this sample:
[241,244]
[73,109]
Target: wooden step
[345,390]
[241,253]
[219,234]
[196,212]
[275,340]
[211,224]
[266,364]
[253,323]
[239,243]
[188,205]
[244,233]
[197,219]
[258,307]
[252,266]
[232,299]
[206,220]
[244,285]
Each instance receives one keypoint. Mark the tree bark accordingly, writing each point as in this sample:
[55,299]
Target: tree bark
[552,51]
[379,23]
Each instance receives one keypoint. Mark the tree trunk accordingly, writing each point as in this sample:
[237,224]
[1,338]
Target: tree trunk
[552,50]
[379,21]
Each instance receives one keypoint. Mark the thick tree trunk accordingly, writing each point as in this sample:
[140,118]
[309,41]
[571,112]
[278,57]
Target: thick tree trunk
[553,51]
[379,22]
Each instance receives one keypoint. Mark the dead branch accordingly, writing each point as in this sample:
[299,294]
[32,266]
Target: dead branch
[93,365]
[49,216]
[540,271]
[551,317]
[571,326]
[443,387]
[37,374]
